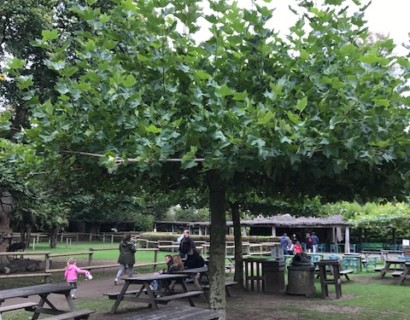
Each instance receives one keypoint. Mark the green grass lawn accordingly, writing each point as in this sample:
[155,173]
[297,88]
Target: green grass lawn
[106,255]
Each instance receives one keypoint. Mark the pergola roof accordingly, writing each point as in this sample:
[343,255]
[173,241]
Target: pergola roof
[285,220]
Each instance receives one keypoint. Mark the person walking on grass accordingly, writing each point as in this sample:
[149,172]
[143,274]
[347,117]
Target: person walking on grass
[126,258]
[71,276]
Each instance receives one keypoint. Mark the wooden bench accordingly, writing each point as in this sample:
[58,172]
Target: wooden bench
[228,283]
[176,313]
[79,314]
[28,306]
[345,273]
[188,295]
[397,273]
[114,295]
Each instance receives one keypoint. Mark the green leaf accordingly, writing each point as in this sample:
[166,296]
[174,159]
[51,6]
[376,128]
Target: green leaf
[49,34]
[16,63]
[302,103]
[293,117]
[304,55]
[381,102]
[129,81]
[24,82]
[371,58]
[240,96]
[265,118]
[202,75]
[153,129]
[142,58]
[188,159]
[224,91]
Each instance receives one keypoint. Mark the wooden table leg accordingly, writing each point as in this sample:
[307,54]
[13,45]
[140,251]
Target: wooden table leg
[404,274]
[185,288]
[151,296]
[385,269]
[120,296]
[70,301]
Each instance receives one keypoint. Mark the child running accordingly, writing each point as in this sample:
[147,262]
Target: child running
[70,275]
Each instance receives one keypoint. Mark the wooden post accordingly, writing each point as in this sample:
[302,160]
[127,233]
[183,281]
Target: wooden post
[155,259]
[47,262]
[90,256]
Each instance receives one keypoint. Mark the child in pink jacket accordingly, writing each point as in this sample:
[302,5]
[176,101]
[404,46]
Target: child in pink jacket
[70,275]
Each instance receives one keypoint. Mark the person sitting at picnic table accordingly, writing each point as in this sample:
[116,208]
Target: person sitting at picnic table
[176,265]
[169,262]
[194,260]
[297,248]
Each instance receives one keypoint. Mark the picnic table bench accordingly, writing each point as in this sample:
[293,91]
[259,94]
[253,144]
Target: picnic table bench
[29,306]
[345,273]
[175,313]
[44,305]
[228,284]
[79,314]
[150,298]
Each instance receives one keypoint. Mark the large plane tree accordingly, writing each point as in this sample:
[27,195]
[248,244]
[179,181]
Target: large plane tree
[320,112]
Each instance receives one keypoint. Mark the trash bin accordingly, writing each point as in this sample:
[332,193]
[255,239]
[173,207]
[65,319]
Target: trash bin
[301,280]
[274,276]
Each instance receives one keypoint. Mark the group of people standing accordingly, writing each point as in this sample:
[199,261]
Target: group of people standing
[188,257]
[293,246]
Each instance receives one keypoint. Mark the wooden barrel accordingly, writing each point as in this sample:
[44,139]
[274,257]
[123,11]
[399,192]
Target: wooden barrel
[301,280]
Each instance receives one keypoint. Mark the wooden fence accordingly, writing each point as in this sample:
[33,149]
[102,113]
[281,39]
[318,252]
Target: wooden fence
[249,250]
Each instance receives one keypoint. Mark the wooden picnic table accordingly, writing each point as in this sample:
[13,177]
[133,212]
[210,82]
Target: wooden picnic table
[145,280]
[388,263]
[44,291]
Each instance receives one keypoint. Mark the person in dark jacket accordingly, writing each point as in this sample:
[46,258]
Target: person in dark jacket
[126,258]
[194,260]
[169,262]
[186,245]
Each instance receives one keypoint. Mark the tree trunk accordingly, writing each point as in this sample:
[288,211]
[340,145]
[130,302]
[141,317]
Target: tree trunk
[6,234]
[236,220]
[53,237]
[217,190]
[25,233]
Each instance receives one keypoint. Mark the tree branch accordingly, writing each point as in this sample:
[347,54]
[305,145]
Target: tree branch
[120,160]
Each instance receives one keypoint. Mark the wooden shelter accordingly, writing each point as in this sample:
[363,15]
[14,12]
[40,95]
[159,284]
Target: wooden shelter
[333,231]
